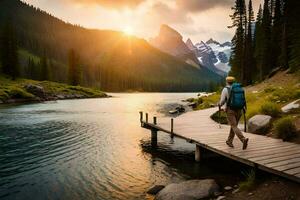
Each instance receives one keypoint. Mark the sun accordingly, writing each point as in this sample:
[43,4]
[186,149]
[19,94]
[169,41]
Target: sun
[128,30]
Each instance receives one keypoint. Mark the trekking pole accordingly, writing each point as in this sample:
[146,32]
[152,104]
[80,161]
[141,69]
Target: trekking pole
[219,116]
[245,121]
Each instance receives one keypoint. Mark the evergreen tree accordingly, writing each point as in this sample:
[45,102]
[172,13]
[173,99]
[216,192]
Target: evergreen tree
[276,38]
[9,51]
[249,54]
[258,43]
[239,21]
[266,40]
[284,57]
[74,68]
[44,66]
[293,33]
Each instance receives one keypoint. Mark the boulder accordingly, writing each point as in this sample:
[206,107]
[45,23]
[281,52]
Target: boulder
[259,124]
[156,189]
[188,190]
[291,106]
[36,90]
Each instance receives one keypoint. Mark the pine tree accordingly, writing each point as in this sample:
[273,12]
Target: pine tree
[44,66]
[249,55]
[293,33]
[284,57]
[258,43]
[239,21]
[266,39]
[74,68]
[276,38]
[9,51]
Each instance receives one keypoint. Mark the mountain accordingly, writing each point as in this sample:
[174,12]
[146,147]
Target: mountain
[109,59]
[212,55]
[171,42]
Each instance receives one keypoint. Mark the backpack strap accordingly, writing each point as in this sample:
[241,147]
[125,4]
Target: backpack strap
[229,93]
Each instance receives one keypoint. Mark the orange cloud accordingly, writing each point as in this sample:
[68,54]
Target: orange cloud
[111,3]
[202,5]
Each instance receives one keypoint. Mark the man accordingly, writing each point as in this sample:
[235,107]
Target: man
[233,97]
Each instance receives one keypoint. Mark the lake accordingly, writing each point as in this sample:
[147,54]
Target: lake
[92,149]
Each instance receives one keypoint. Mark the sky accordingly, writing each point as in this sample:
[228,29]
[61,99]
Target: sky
[195,19]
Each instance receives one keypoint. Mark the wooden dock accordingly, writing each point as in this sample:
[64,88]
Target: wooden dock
[265,153]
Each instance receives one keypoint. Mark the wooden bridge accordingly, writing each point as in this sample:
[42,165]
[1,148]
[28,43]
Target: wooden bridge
[265,153]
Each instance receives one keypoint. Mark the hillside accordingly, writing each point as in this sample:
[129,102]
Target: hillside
[109,59]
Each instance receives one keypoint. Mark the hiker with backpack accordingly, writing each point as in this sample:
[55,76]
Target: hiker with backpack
[233,97]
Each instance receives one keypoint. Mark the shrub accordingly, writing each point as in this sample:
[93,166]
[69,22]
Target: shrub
[18,93]
[285,128]
[271,109]
[250,180]
[222,119]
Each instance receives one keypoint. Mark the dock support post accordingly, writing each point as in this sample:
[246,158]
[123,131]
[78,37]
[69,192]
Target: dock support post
[146,117]
[198,153]
[172,127]
[141,116]
[154,134]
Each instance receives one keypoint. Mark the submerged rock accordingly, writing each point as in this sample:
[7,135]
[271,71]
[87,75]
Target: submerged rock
[259,124]
[156,189]
[291,106]
[188,190]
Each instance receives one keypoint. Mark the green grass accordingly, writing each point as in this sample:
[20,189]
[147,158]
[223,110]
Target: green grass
[267,101]
[249,182]
[285,128]
[270,108]
[16,89]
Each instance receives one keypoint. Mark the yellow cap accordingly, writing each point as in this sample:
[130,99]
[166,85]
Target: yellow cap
[230,79]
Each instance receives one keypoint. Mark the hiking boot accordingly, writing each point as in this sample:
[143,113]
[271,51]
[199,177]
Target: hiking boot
[245,143]
[229,144]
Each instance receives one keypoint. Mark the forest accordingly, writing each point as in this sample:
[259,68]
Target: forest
[265,44]
[36,45]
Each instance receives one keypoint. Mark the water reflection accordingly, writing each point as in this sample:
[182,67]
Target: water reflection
[89,149]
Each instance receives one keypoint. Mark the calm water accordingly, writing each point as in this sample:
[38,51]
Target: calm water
[90,149]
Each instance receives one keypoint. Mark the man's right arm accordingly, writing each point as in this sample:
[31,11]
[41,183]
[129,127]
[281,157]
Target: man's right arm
[223,97]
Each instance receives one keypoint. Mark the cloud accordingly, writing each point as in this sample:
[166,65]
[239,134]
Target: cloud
[202,5]
[164,14]
[116,4]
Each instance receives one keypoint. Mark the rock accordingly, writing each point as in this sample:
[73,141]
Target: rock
[193,104]
[156,189]
[35,90]
[227,188]
[218,193]
[259,124]
[221,197]
[188,190]
[235,186]
[235,191]
[1,101]
[60,96]
[250,194]
[291,106]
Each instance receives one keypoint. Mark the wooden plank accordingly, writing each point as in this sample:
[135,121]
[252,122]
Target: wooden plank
[277,159]
[287,167]
[268,154]
[293,171]
[284,162]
